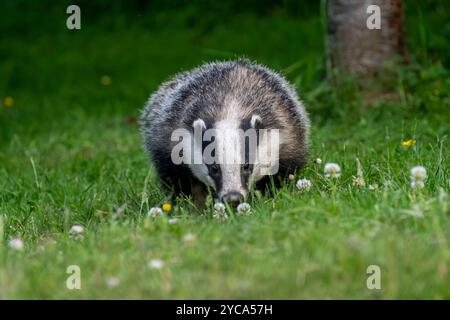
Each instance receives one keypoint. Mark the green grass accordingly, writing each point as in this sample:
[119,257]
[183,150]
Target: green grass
[69,155]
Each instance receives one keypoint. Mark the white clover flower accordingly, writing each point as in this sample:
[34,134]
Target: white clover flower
[332,170]
[219,206]
[417,184]
[155,264]
[358,182]
[318,161]
[189,238]
[291,177]
[172,221]
[112,282]
[76,230]
[16,244]
[304,185]
[415,212]
[418,173]
[244,209]
[220,215]
[155,212]
[220,212]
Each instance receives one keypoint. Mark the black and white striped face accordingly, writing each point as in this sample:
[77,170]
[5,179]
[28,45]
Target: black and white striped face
[229,153]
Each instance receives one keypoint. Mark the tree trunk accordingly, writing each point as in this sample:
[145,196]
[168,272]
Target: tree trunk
[355,49]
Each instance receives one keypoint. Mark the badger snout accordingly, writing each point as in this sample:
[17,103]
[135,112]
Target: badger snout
[233,198]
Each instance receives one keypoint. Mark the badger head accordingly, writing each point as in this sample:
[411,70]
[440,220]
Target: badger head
[231,155]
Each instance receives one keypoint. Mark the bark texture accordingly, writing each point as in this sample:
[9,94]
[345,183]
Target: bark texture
[355,49]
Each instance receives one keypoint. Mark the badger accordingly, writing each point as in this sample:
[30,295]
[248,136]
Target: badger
[211,108]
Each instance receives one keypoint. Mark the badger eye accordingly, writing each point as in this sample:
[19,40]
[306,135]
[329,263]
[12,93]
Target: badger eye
[214,169]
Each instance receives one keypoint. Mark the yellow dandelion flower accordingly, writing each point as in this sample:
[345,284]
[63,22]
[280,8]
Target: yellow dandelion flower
[167,207]
[8,102]
[409,143]
[105,80]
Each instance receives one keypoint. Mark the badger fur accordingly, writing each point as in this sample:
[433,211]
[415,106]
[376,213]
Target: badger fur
[224,96]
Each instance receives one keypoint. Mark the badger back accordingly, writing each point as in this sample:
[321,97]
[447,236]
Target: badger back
[222,91]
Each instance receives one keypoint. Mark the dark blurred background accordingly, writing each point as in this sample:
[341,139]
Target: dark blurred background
[126,48]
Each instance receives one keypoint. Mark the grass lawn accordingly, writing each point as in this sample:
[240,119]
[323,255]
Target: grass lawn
[71,153]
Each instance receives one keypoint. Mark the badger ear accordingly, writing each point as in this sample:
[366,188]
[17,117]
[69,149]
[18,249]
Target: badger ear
[199,129]
[256,122]
[199,125]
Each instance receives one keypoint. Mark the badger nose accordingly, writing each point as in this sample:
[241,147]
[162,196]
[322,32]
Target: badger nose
[233,198]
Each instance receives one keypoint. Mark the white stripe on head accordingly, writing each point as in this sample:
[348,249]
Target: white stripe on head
[228,152]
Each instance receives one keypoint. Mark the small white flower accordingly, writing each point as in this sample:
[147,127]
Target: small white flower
[112,282]
[304,185]
[291,177]
[417,212]
[155,264]
[189,238]
[318,161]
[220,212]
[414,212]
[358,182]
[417,184]
[220,215]
[172,221]
[76,230]
[16,244]
[219,206]
[372,187]
[332,170]
[419,173]
[244,209]
[155,212]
